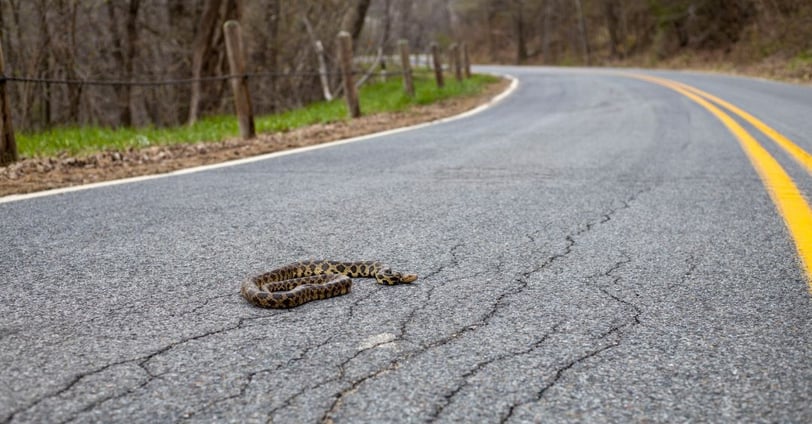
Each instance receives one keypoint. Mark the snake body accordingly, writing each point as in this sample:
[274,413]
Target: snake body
[301,282]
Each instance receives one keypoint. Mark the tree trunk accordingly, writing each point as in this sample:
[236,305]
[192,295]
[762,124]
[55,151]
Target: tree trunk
[201,48]
[521,44]
[611,11]
[491,11]
[8,144]
[546,29]
[353,21]
[179,33]
[273,47]
[129,63]
[67,55]
[387,24]
[45,56]
[175,11]
[582,30]
[124,56]
[405,19]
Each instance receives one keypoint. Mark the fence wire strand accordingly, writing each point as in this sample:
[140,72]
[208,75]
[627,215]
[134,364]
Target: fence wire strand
[120,83]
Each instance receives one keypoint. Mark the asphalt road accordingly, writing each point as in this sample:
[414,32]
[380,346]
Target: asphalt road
[592,248]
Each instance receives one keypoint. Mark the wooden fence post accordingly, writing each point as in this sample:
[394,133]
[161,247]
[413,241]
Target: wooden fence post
[466,61]
[239,84]
[406,63]
[456,61]
[438,65]
[345,60]
[8,145]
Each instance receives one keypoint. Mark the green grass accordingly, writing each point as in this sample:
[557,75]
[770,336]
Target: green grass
[377,97]
[800,61]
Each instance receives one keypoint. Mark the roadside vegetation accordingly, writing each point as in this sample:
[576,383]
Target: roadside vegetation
[150,48]
[767,38]
[136,40]
[375,98]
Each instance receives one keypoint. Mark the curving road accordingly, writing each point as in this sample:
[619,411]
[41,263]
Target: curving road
[594,247]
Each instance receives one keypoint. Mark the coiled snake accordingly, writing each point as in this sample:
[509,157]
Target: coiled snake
[301,282]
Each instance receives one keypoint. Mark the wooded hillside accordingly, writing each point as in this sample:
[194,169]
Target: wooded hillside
[600,31]
[181,39]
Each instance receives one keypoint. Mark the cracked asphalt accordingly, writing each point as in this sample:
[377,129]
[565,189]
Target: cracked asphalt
[593,248]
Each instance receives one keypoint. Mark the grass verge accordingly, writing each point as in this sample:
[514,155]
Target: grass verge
[377,97]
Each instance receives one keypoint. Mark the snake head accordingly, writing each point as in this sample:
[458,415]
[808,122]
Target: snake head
[408,278]
[391,277]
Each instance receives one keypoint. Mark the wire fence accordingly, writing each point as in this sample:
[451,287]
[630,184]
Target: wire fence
[240,78]
[181,81]
[213,78]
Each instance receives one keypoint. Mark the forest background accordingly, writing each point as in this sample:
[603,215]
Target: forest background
[149,40]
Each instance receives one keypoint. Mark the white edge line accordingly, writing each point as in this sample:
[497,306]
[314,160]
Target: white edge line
[514,84]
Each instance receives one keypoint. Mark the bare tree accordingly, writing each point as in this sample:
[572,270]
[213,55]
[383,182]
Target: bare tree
[612,11]
[353,20]
[582,31]
[518,19]
[124,56]
[129,64]
[273,17]
[137,39]
[546,28]
[201,50]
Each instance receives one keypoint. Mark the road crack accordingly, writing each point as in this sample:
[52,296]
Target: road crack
[338,397]
[342,367]
[616,330]
[206,302]
[449,396]
[523,281]
[452,263]
[249,378]
[140,361]
[614,335]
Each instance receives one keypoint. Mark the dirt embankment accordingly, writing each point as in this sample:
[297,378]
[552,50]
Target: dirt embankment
[35,174]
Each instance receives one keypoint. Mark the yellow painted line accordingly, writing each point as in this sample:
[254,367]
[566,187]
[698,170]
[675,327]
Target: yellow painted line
[797,153]
[789,201]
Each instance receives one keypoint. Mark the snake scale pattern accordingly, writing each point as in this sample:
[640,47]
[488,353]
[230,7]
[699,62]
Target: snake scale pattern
[300,282]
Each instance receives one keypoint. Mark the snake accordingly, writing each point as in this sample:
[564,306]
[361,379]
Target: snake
[300,282]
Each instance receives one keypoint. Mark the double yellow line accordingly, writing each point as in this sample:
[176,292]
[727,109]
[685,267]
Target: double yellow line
[789,201]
